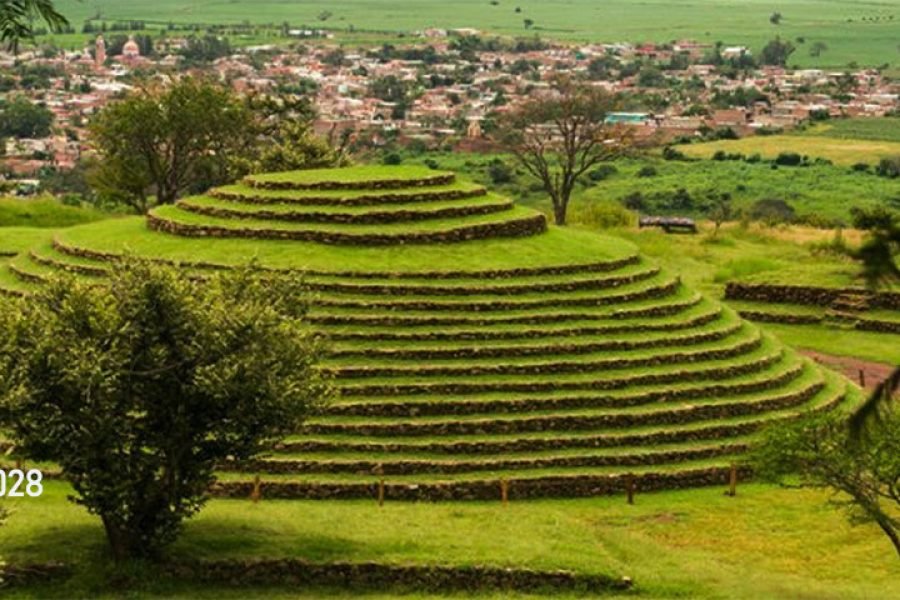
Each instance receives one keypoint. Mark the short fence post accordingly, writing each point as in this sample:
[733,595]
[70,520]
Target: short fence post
[504,491]
[629,487]
[256,494]
[862,378]
[732,481]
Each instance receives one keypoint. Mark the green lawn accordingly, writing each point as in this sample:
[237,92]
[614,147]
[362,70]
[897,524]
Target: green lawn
[853,31]
[765,543]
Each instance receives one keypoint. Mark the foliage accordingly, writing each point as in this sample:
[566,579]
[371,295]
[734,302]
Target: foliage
[17,20]
[878,253]
[21,118]
[772,211]
[160,142]
[824,452]
[281,137]
[561,137]
[137,389]
[776,52]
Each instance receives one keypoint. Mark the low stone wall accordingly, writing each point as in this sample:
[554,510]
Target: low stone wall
[878,326]
[557,367]
[673,416]
[422,467]
[655,291]
[597,267]
[365,218]
[403,289]
[526,405]
[521,227]
[412,389]
[804,294]
[529,334]
[783,318]
[533,349]
[423,195]
[377,576]
[571,486]
[377,184]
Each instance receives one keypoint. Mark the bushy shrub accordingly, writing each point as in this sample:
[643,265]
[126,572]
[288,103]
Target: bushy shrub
[788,159]
[647,171]
[670,153]
[860,167]
[634,201]
[392,158]
[602,215]
[772,211]
[602,172]
[888,167]
[500,172]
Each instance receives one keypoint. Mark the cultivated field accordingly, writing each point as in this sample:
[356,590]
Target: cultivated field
[841,151]
[865,33]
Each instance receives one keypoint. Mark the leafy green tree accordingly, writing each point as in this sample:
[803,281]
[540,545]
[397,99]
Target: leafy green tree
[859,460]
[559,138]
[161,142]
[137,388]
[777,52]
[17,20]
[719,208]
[22,118]
[878,252]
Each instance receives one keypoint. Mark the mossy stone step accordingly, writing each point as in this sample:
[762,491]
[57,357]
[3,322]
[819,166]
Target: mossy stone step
[349,178]
[355,215]
[349,197]
[516,222]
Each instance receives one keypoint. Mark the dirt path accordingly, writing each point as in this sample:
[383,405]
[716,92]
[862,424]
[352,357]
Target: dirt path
[873,372]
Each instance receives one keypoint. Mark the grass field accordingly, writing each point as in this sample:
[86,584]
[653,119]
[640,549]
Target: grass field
[840,150]
[864,32]
[766,542]
[886,129]
[44,212]
[823,191]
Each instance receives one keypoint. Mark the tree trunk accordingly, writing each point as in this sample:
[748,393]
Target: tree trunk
[892,534]
[559,213]
[120,541]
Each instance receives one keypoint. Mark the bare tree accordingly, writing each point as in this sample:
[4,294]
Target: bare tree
[560,137]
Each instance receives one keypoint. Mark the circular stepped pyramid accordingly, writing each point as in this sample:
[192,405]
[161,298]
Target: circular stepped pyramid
[471,343]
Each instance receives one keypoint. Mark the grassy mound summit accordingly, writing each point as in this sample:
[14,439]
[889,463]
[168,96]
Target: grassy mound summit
[470,341]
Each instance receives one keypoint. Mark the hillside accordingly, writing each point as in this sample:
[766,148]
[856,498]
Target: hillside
[470,341]
[853,31]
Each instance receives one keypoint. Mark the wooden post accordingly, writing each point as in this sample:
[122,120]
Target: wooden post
[862,378]
[19,463]
[629,487]
[504,491]
[256,494]
[732,481]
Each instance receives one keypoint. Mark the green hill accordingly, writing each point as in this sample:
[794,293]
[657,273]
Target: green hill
[470,341]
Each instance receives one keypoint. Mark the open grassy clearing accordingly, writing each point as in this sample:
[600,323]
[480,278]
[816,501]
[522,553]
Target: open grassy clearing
[766,542]
[839,150]
[44,212]
[840,25]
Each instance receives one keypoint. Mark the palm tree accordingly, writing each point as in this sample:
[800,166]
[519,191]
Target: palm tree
[16,17]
